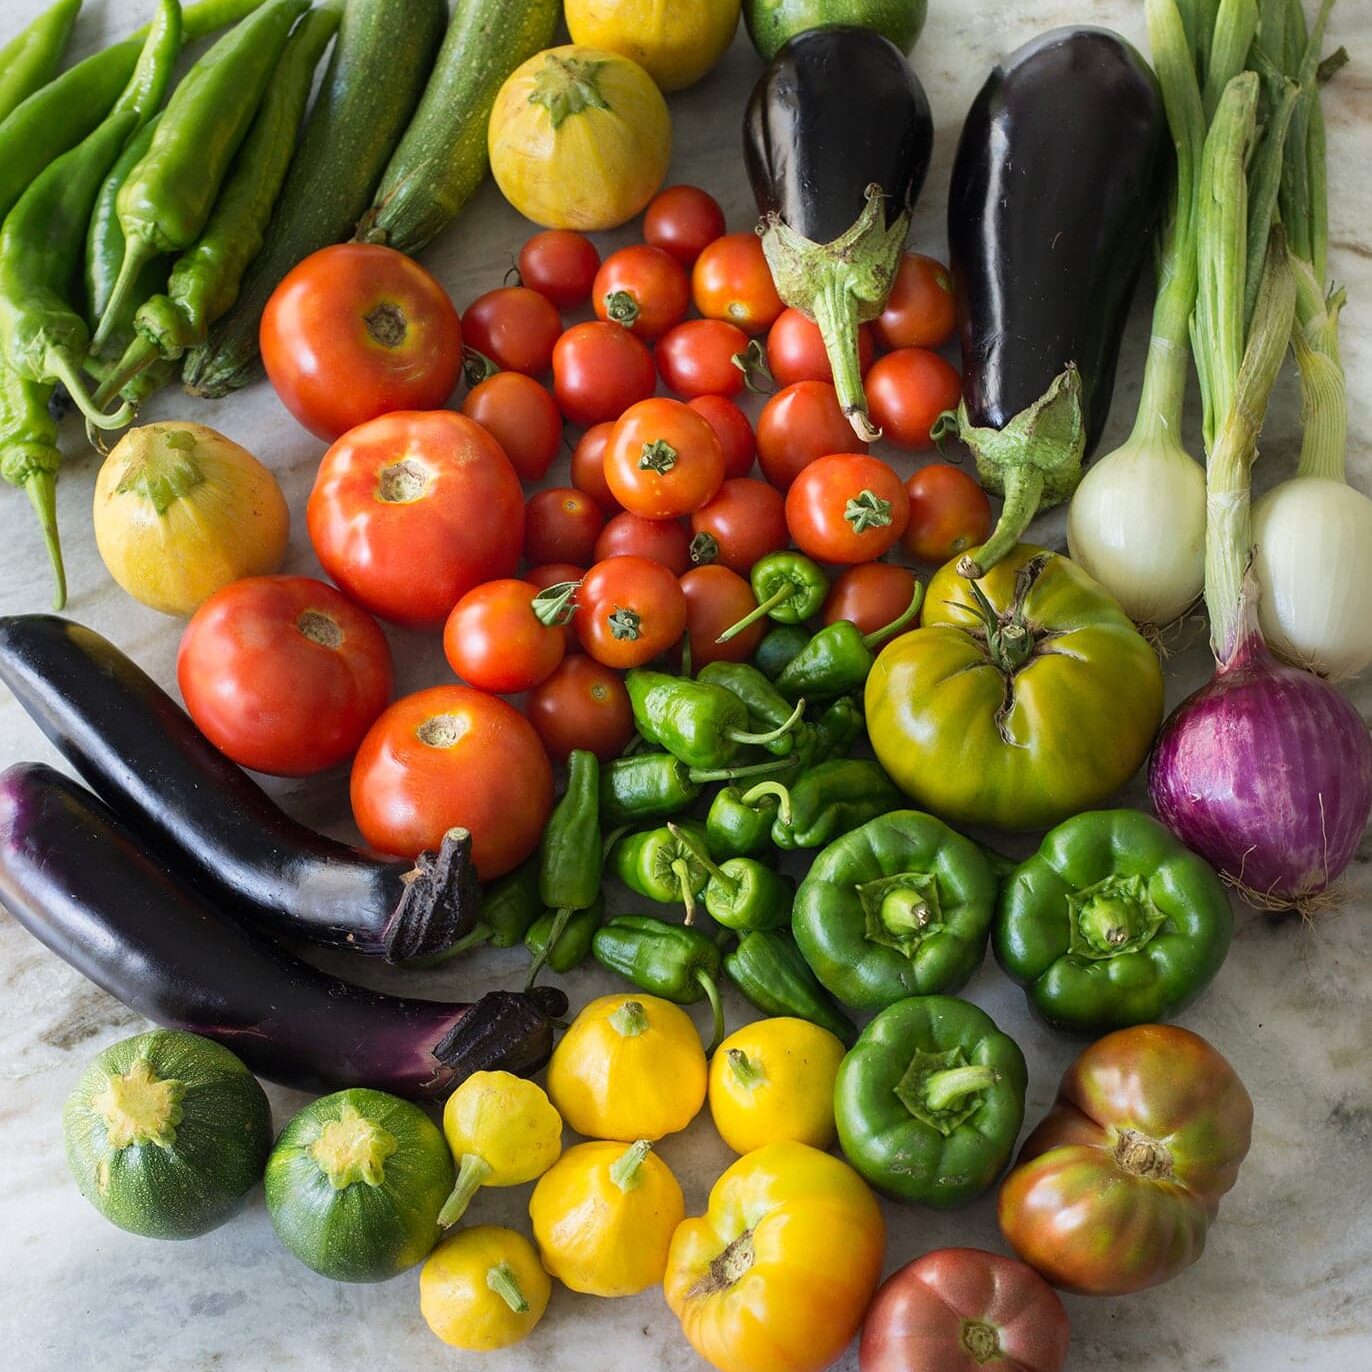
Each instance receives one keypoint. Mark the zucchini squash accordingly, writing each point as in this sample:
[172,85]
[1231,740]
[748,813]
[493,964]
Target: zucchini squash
[772,22]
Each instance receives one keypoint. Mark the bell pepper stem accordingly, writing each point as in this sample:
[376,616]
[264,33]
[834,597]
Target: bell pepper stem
[626,1170]
[41,489]
[701,854]
[764,607]
[682,871]
[59,364]
[771,736]
[472,1172]
[502,1280]
[878,636]
[555,933]
[746,1072]
[707,984]
[630,1020]
[751,797]
[943,1090]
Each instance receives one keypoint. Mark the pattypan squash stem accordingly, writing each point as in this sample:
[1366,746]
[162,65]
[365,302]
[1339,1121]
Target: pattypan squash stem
[471,1174]
[746,1072]
[627,1170]
[630,1020]
[502,1280]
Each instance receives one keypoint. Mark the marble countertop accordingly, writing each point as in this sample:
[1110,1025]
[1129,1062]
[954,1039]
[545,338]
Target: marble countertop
[1287,1278]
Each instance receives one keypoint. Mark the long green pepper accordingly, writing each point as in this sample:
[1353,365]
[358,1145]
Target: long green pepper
[566,946]
[31,58]
[767,707]
[569,860]
[29,459]
[770,971]
[739,823]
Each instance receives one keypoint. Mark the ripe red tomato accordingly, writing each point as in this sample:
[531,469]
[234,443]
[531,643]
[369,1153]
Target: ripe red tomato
[846,508]
[870,595]
[522,417]
[629,610]
[599,370]
[684,221]
[588,465]
[643,288]
[494,640]
[283,674]
[732,429]
[907,390]
[663,460]
[356,331]
[453,757]
[558,574]
[798,425]
[921,311]
[515,327]
[716,599]
[731,280]
[561,525]
[391,514]
[795,350]
[560,264]
[659,540]
[697,358]
[745,521]
[949,513]
[582,705]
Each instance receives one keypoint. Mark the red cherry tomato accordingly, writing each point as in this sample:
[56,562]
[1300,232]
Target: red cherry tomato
[731,280]
[907,390]
[659,540]
[558,574]
[522,417]
[561,525]
[745,521]
[582,705]
[391,515]
[798,425]
[847,507]
[356,331]
[870,595]
[949,513]
[599,370]
[795,350]
[684,221]
[920,311]
[717,599]
[643,288]
[561,265]
[697,358]
[732,429]
[447,757]
[588,465]
[494,641]
[663,460]
[283,674]
[629,610]
[515,327]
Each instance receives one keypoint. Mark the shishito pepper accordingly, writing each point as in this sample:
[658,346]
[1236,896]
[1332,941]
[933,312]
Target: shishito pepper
[833,798]
[657,865]
[898,907]
[569,946]
[767,707]
[1112,923]
[930,1100]
[739,823]
[770,971]
[648,786]
[789,587]
[839,657]
[743,893]
[569,858]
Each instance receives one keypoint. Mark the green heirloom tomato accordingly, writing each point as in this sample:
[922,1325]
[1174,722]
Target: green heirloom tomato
[1026,697]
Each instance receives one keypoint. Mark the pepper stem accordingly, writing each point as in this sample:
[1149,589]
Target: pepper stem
[707,984]
[59,364]
[746,1072]
[700,775]
[138,252]
[630,1020]
[751,797]
[502,1280]
[41,489]
[559,924]
[138,357]
[471,1174]
[943,1090]
[626,1169]
[763,608]
[702,855]
[682,869]
[900,621]
[771,736]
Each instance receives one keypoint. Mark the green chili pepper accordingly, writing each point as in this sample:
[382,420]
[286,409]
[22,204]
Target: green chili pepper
[837,730]
[778,648]
[104,237]
[650,786]
[659,866]
[833,798]
[680,965]
[739,823]
[568,946]
[768,968]
[789,588]
[31,58]
[742,893]
[767,707]
[29,459]
[838,658]
[509,909]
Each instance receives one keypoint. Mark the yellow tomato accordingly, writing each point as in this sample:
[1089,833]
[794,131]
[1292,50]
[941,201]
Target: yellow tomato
[483,1288]
[675,41]
[604,1216]
[778,1272]
[181,511]
[773,1081]
[579,138]
[630,1067]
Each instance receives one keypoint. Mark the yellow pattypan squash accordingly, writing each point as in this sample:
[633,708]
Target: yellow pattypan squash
[483,1288]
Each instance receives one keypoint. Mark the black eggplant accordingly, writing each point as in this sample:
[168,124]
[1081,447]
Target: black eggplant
[140,751]
[80,882]
[837,139]
[1058,185]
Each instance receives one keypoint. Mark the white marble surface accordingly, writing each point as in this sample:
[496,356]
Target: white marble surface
[1286,1282]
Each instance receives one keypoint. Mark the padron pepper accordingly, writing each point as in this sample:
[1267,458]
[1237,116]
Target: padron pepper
[569,858]
[647,786]
[833,798]
[569,946]
[770,971]
[767,707]
[739,823]
[742,893]
[930,1100]
[778,648]
[839,657]
[836,731]
[790,588]
[657,865]
[1111,923]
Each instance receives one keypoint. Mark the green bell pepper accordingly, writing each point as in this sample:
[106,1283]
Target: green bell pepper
[739,823]
[768,968]
[838,658]
[565,946]
[1112,923]
[658,866]
[899,907]
[767,708]
[833,798]
[743,893]
[930,1100]
[778,648]
[789,587]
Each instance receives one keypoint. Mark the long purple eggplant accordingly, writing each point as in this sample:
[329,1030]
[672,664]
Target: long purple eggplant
[80,882]
[140,751]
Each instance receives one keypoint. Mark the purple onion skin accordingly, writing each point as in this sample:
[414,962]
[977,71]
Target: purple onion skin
[1266,771]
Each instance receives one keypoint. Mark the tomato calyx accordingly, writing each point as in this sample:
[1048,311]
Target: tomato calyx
[403,482]
[867,510]
[757,375]
[625,624]
[729,1267]
[1010,642]
[980,1341]
[320,628]
[555,605]
[387,324]
[476,366]
[658,456]
[1142,1156]
[704,549]
[621,308]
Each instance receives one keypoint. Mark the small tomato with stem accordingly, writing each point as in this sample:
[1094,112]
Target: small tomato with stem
[643,288]
[744,521]
[703,357]
[506,636]
[629,610]
[663,460]
[514,327]
[847,508]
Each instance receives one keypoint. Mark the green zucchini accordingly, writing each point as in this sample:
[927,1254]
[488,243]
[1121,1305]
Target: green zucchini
[381,59]
[771,22]
[355,1183]
[442,159]
[166,1134]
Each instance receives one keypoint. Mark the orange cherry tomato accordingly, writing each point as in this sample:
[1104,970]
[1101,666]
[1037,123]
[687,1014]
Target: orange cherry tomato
[643,288]
[795,350]
[949,513]
[599,370]
[921,311]
[717,599]
[588,466]
[846,508]
[515,327]
[629,610]
[798,425]
[744,522]
[560,264]
[684,221]
[697,358]
[870,595]
[522,417]
[582,705]
[732,429]
[731,280]
[561,524]
[663,460]
[659,540]
[496,642]
[907,390]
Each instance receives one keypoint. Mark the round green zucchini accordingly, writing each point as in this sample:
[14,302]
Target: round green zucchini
[772,22]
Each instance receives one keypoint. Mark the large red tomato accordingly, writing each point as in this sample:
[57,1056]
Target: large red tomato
[452,757]
[412,510]
[358,330]
[283,674]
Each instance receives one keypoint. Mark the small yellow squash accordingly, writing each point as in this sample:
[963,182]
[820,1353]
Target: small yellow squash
[483,1288]
[675,41]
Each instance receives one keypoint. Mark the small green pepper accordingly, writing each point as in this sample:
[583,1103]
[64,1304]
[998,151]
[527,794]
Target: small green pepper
[838,658]
[657,865]
[667,960]
[742,893]
[833,798]
[768,968]
[739,823]
[930,1100]
[778,648]
[30,459]
[767,707]
[837,730]
[568,947]
[647,786]
[569,858]
[789,588]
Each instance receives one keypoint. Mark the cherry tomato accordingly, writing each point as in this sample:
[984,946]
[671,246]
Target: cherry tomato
[558,574]
[731,280]
[716,599]
[561,265]
[599,370]
[494,640]
[907,390]
[643,288]
[663,460]
[561,525]
[870,595]
[798,425]
[949,513]
[745,521]
[684,221]
[795,350]
[522,417]
[582,705]
[732,429]
[588,465]
[393,514]
[515,327]
[356,331]
[920,311]
[846,507]
[629,610]
[697,358]
[659,540]
[447,757]
[283,674]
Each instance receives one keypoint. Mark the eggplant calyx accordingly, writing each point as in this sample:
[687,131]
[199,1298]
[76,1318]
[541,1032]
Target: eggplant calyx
[504,1031]
[439,901]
